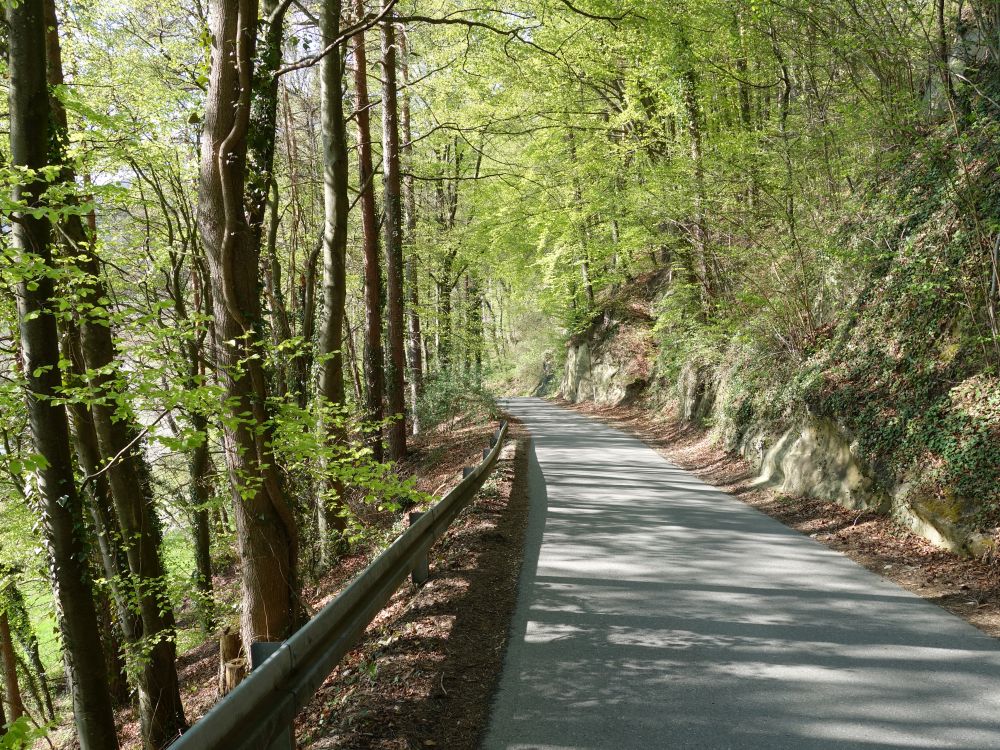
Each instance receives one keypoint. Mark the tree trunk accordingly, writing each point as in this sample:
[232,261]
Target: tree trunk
[444,322]
[744,93]
[230,652]
[62,510]
[336,206]
[11,687]
[115,646]
[413,345]
[200,465]
[281,329]
[943,54]
[267,534]
[304,362]
[25,635]
[160,704]
[125,625]
[393,241]
[352,360]
[260,183]
[474,300]
[102,510]
[131,488]
[374,355]
[699,233]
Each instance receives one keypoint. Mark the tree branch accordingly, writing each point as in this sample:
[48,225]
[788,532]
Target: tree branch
[364,24]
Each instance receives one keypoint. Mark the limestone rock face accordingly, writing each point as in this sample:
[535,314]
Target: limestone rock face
[816,459]
[806,455]
[696,389]
[600,372]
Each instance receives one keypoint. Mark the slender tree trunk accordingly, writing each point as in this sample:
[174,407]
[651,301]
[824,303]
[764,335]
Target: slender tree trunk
[336,207]
[393,241]
[746,109]
[413,345]
[200,495]
[199,462]
[159,693]
[160,704]
[25,635]
[262,126]
[352,360]
[62,510]
[114,649]
[374,355]
[445,284]
[476,333]
[101,505]
[124,626]
[692,108]
[942,54]
[307,307]
[11,687]
[267,533]
[281,329]
[260,183]
[584,262]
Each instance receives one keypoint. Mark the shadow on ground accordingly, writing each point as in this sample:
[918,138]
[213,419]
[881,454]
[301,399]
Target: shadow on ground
[658,612]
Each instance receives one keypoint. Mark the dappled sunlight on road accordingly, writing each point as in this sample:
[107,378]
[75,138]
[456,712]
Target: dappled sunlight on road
[658,612]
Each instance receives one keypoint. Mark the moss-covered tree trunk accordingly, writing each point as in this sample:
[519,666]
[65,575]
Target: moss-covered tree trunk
[395,331]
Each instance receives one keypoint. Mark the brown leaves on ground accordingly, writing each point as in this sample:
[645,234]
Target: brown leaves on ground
[425,671]
[967,587]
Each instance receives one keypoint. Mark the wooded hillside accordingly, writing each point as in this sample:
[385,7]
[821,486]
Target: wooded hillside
[250,248]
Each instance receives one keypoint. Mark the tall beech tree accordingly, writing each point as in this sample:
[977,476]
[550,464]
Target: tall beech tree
[60,503]
[267,532]
[122,459]
[414,346]
[335,210]
[392,199]
[374,354]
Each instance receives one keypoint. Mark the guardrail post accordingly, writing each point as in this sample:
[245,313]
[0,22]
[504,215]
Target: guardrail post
[466,471]
[486,453]
[259,652]
[422,567]
[496,435]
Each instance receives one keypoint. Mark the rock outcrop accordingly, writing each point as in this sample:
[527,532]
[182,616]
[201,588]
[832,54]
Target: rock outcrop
[817,457]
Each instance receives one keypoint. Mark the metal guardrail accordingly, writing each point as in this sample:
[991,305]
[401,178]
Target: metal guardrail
[260,711]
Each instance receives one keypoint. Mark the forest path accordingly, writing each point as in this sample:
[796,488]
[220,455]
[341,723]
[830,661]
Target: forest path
[655,611]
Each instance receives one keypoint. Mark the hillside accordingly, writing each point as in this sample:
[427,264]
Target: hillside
[894,403]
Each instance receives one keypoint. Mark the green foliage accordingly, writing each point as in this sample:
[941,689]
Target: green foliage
[20,735]
[454,395]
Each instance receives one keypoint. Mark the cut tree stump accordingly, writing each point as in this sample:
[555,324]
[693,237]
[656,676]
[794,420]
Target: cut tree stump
[232,662]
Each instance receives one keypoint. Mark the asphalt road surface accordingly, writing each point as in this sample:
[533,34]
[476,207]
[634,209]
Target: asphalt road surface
[655,611]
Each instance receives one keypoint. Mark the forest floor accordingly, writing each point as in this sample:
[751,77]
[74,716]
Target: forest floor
[435,650]
[967,587]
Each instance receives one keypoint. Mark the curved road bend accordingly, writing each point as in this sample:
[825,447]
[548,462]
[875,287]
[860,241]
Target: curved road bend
[657,612]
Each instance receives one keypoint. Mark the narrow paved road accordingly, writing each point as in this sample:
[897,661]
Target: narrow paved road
[658,612]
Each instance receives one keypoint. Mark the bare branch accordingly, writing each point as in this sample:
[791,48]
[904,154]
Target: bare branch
[364,24]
